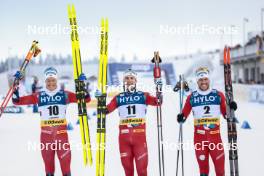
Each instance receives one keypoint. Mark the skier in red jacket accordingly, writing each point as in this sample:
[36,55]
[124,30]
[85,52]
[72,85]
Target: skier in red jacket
[132,107]
[52,103]
[207,105]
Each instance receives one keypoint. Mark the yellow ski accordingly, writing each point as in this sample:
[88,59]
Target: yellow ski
[101,101]
[80,87]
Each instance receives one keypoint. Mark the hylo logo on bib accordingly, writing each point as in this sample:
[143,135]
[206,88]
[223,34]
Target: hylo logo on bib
[129,99]
[50,99]
[202,99]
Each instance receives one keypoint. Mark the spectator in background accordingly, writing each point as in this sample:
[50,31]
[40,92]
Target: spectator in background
[259,43]
[35,88]
[62,86]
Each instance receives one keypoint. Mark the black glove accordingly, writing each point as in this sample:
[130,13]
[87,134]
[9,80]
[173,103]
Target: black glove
[15,97]
[233,105]
[180,118]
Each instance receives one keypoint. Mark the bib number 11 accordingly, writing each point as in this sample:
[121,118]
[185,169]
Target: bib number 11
[131,110]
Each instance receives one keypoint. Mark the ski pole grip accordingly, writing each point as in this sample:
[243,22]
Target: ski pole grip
[157,72]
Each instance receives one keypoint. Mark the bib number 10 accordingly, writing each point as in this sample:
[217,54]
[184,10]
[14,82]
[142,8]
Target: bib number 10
[53,110]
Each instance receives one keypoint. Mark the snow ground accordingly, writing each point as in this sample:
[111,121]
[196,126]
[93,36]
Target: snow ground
[17,130]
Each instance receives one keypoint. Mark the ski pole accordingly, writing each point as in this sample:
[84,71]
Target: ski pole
[157,78]
[181,86]
[33,52]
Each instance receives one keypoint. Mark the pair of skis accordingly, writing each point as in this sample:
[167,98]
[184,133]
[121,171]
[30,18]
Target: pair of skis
[157,79]
[33,52]
[180,87]
[80,93]
[80,87]
[101,100]
[231,120]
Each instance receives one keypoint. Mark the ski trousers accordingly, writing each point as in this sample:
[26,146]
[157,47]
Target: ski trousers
[54,141]
[133,147]
[209,143]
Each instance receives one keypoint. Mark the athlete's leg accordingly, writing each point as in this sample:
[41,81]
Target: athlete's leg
[47,153]
[64,153]
[126,154]
[140,151]
[202,153]
[218,154]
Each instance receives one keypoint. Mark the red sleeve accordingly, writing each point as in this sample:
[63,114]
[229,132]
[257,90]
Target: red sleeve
[151,100]
[72,97]
[112,105]
[222,103]
[187,107]
[27,100]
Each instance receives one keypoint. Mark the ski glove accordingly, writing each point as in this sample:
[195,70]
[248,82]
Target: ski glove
[233,105]
[178,86]
[82,77]
[15,97]
[19,75]
[180,118]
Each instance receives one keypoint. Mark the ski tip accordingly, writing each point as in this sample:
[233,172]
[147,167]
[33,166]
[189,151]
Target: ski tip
[72,7]
[69,10]
[102,23]
[225,54]
[106,24]
[228,55]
